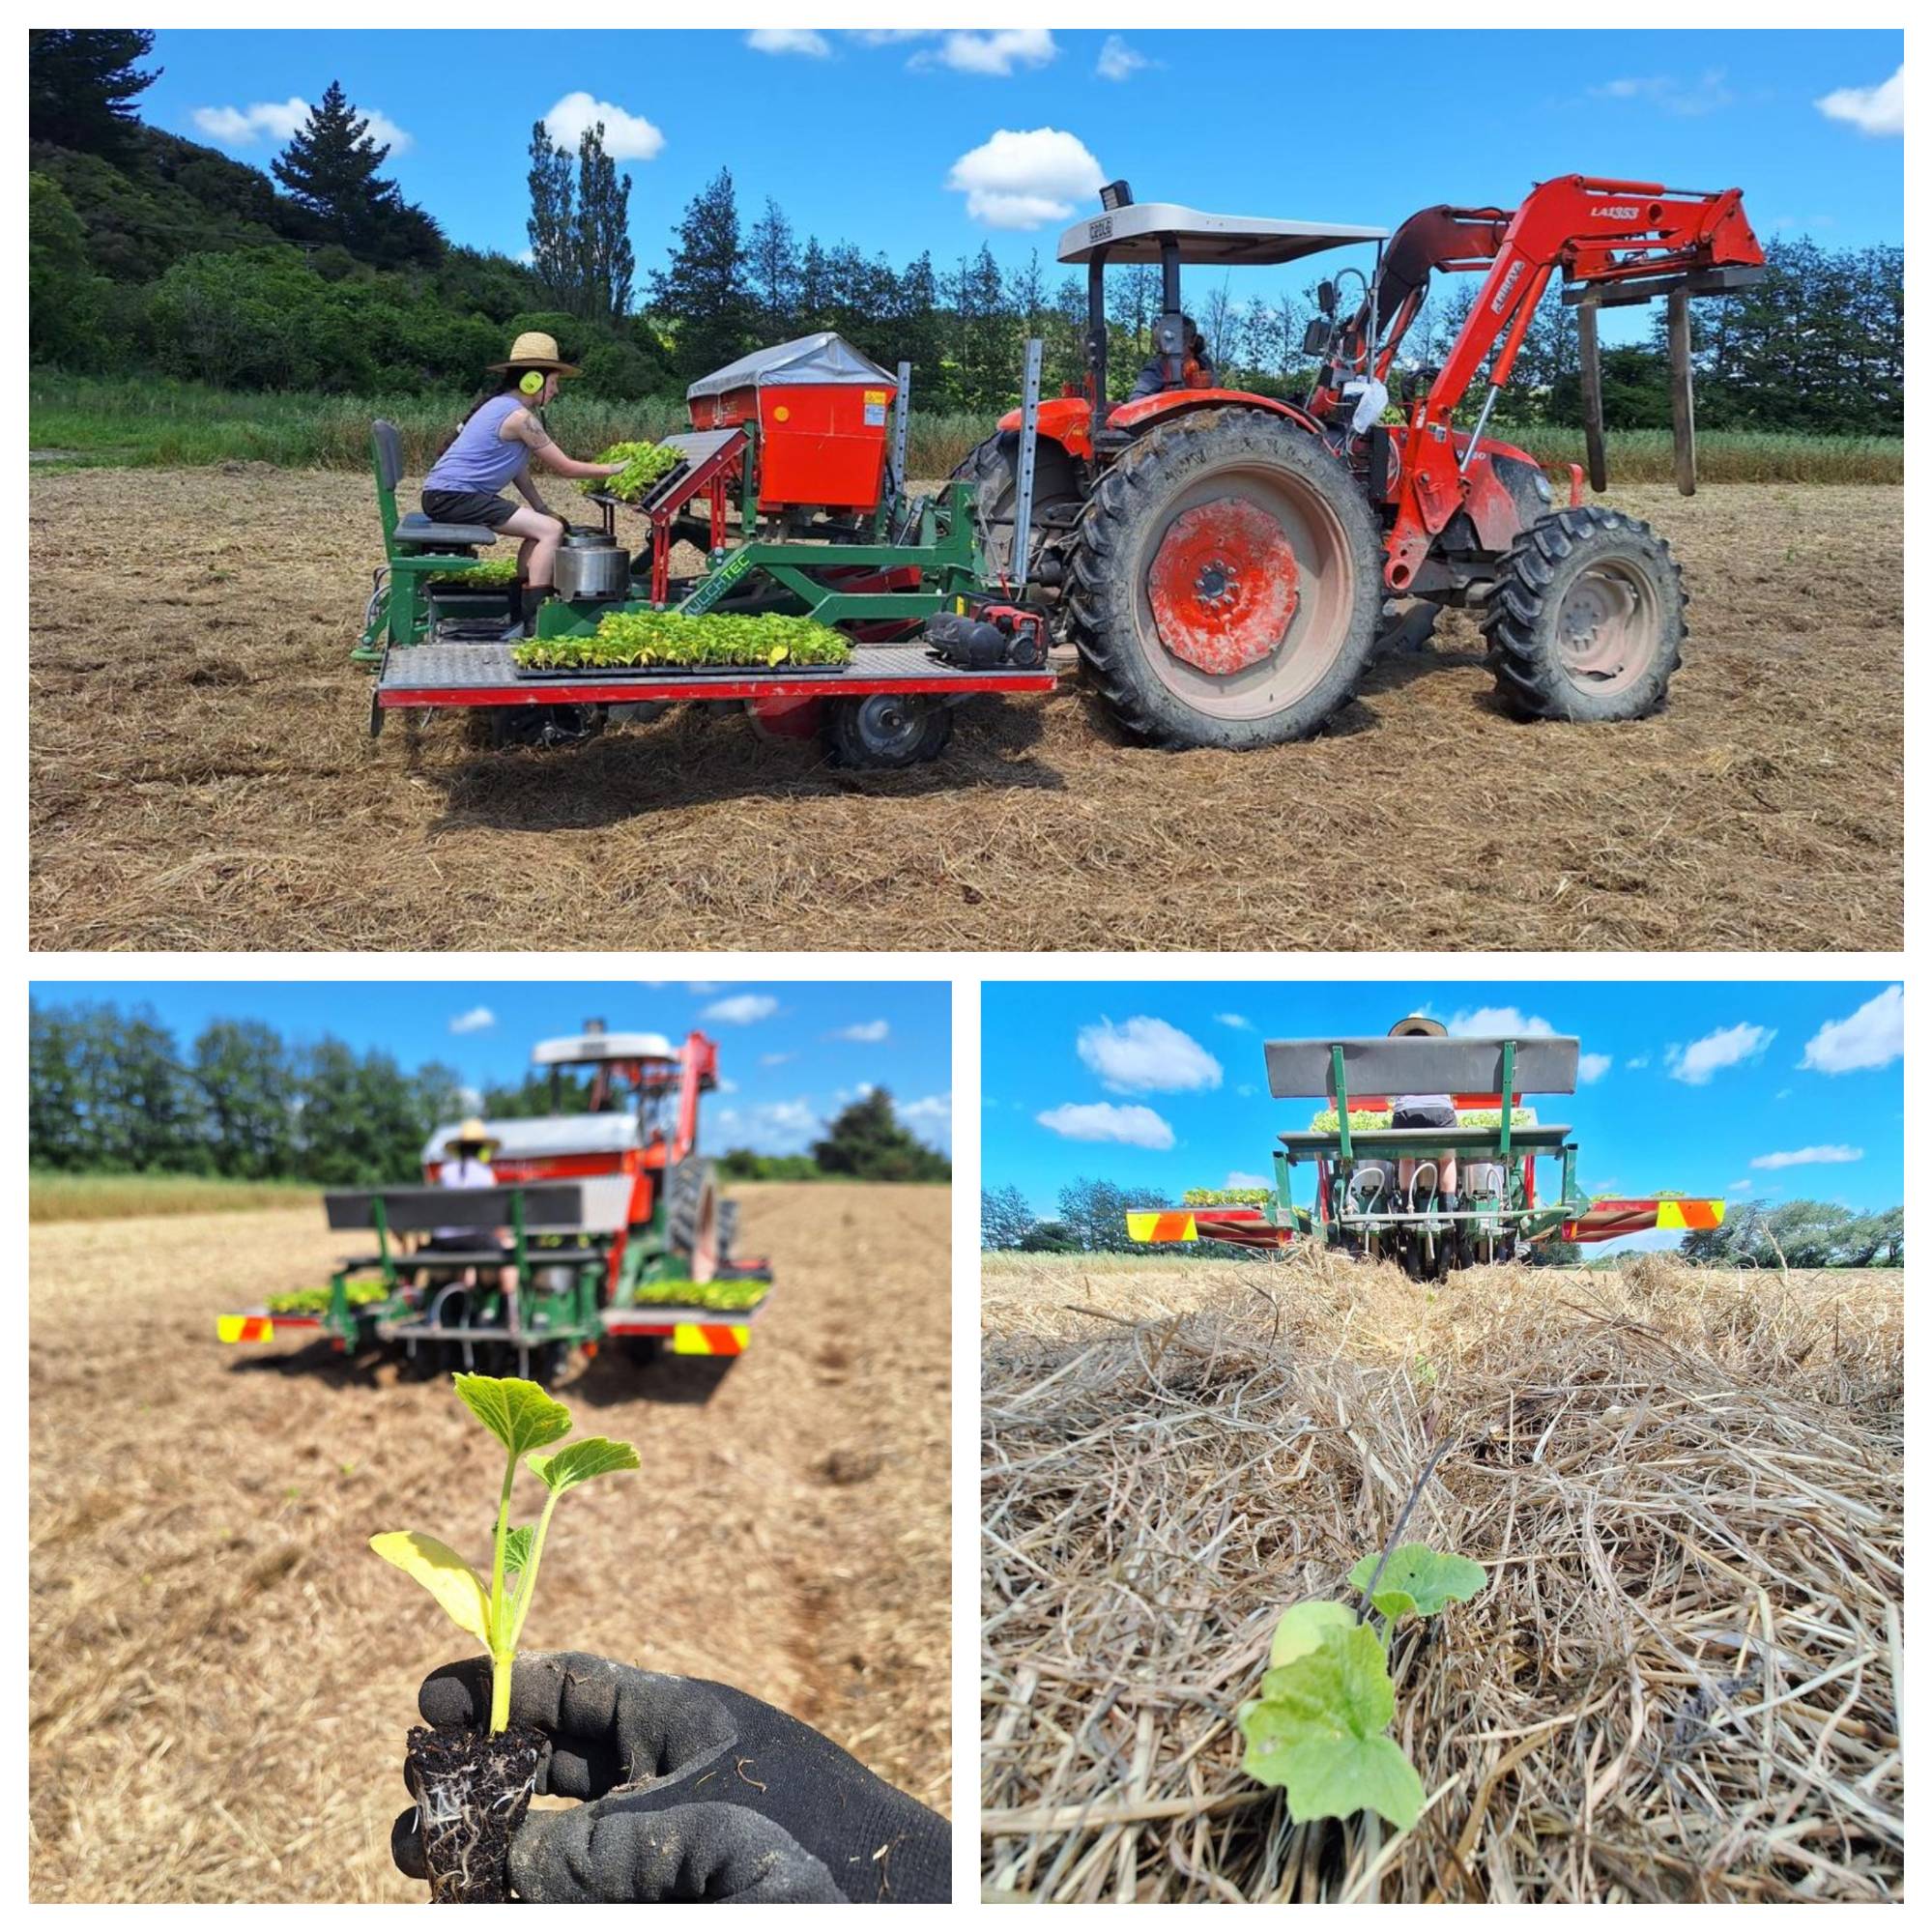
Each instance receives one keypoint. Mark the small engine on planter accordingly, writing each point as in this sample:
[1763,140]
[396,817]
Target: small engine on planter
[992,638]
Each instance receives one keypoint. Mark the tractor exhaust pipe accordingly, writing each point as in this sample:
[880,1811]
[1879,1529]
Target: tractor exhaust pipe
[1590,380]
[1683,401]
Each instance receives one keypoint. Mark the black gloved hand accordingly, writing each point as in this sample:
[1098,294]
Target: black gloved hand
[695,1792]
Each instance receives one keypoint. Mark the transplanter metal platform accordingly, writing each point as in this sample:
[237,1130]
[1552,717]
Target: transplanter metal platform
[472,675]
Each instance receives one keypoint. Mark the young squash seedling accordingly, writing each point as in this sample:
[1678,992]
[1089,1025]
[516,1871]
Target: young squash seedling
[472,1787]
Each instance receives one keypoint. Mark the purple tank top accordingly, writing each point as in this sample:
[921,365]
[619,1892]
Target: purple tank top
[479,459]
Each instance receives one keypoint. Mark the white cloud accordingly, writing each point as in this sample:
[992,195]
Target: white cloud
[1500,1023]
[1874,1036]
[1740,1187]
[1591,1067]
[864,1030]
[1247,1092]
[1689,99]
[1102,1120]
[1237,1179]
[1808,1157]
[726,1086]
[931,1117]
[241,127]
[789,40]
[1637,1065]
[627,137]
[742,1009]
[1022,179]
[1240,1022]
[1727,1046]
[997,53]
[478,1019]
[1118,61]
[1147,1056]
[1871,110]
[771,1127]
[775,1059]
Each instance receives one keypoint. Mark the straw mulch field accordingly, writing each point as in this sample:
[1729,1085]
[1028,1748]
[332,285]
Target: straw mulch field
[202,775]
[1680,1683]
[220,1673]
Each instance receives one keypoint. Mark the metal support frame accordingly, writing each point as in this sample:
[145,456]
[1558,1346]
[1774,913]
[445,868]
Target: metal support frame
[1590,382]
[1683,401]
[1030,448]
[1096,340]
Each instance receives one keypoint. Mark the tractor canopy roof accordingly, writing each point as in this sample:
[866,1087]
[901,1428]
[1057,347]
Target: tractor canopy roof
[1305,1069]
[811,359]
[583,1050]
[1134,234]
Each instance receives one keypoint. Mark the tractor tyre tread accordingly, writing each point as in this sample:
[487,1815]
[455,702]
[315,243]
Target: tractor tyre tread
[690,1180]
[1102,601]
[1520,620]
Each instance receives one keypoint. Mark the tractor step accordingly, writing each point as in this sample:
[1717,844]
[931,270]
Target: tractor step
[476,675]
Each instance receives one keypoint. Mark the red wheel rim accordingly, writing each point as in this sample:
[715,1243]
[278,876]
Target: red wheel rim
[1223,585]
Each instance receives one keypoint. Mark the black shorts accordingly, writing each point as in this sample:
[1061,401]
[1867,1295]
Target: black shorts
[1422,1117]
[467,507]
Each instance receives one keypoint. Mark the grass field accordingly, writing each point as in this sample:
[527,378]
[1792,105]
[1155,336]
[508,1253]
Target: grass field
[120,1197]
[203,776]
[220,1674]
[1679,1682]
[89,421]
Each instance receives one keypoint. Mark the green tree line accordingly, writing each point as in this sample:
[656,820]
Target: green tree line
[113,1092]
[147,252]
[1092,1220]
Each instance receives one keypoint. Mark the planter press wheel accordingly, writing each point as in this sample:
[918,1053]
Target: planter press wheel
[1227,582]
[1586,624]
[886,731]
[693,1217]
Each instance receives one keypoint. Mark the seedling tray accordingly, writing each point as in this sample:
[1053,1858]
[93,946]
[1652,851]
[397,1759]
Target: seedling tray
[578,673]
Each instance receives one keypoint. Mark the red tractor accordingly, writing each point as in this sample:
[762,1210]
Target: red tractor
[1222,560]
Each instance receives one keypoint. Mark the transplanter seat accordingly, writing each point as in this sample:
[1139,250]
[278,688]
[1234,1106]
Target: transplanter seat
[416,528]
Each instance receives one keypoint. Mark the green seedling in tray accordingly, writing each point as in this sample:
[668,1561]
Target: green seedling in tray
[722,1296]
[486,573]
[637,640]
[315,1300]
[524,1420]
[1227,1197]
[645,464]
[1367,1118]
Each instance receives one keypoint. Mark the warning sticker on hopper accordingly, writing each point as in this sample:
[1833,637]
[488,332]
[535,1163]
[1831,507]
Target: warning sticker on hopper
[874,408]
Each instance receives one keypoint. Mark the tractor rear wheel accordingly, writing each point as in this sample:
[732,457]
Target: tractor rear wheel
[1586,624]
[885,732]
[692,1215]
[1227,582]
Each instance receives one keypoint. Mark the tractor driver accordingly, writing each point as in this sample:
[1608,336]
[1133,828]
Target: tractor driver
[1196,370]
[1424,1109]
[466,1164]
[493,446]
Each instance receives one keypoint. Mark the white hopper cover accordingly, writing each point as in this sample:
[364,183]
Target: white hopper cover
[823,359]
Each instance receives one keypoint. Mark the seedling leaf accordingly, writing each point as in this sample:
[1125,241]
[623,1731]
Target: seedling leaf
[580,1461]
[516,1549]
[1302,1628]
[1420,1581]
[443,1573]
[1318,1730]
[517,1413]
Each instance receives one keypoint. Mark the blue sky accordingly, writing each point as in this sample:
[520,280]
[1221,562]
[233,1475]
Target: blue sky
[1763,1090]
[891,143]
[794,1052]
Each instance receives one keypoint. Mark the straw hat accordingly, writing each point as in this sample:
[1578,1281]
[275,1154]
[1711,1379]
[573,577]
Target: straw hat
[534,350]
[1416,1028]
[472,1134]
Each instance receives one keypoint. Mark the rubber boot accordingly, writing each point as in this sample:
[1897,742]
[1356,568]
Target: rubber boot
[531,599]
[1457,1237]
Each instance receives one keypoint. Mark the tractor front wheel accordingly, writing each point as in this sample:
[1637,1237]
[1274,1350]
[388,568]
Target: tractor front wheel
[1586,624]
[1227,582]
[885,732]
